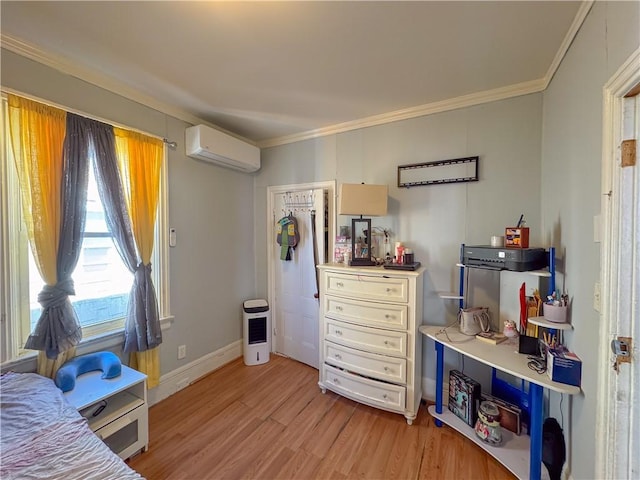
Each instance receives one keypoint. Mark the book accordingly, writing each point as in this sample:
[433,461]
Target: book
[491,337]
[464,397]
[509,413]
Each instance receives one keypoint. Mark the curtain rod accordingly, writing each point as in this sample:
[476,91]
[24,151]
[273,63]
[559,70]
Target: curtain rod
[6,90]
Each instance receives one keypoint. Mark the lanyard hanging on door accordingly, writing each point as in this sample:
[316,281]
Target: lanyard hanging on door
[315,252]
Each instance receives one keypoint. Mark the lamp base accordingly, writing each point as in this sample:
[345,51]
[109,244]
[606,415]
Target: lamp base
[362,262]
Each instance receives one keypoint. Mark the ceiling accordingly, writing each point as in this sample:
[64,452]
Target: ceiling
[276,72]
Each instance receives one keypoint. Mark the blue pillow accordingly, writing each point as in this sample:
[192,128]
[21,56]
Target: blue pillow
[108,362]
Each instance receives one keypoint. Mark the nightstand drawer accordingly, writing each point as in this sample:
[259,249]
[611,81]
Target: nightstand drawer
[381,367]
[386,342]
[386,315]
[388,289]
[371,392]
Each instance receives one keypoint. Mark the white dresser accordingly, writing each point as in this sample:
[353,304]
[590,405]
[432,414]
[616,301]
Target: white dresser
[370,347]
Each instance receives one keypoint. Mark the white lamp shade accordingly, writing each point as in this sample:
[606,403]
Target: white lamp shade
[363,199]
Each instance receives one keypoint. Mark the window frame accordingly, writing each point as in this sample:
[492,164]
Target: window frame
[14,259]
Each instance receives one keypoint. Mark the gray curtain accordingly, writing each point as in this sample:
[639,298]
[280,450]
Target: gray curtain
[58,328]
[142,326]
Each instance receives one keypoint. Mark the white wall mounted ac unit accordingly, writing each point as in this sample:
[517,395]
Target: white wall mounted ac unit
[211,145]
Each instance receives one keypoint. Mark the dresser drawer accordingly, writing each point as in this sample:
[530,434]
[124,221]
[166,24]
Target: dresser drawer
[365,390]
[381,367]
[386,342]
[365,287]
[386,315]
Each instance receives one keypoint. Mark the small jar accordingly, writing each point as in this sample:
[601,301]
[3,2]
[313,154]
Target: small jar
[488,424]
[407,258]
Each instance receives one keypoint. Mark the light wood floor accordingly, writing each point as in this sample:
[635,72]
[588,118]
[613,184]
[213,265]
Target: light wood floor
[272,422]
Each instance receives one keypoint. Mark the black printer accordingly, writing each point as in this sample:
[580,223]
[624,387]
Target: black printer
[501,258]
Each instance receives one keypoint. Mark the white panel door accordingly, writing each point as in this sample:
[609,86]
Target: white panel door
[296,303]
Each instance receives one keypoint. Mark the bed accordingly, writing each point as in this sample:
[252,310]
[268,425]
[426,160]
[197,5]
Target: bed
[44,437]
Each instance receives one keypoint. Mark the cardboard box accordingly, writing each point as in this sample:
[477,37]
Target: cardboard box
[564,367]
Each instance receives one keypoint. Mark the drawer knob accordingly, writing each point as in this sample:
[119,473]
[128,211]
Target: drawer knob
[339,308]
[387,316]
[338,356]
[339,284]
[389,290]
[338,332]
[386,369]
[335,380]
[387,342]
[385,396]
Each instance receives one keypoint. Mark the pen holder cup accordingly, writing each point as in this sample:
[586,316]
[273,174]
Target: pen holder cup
[516,237]
[555,314]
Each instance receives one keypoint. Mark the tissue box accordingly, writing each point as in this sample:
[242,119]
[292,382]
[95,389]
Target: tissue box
[564,367]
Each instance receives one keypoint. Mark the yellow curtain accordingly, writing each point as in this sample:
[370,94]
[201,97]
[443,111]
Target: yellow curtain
[140,160]
[37,137]
[48,367]
[147,362]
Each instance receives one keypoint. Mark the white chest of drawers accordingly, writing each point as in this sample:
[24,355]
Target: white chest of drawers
[370,347]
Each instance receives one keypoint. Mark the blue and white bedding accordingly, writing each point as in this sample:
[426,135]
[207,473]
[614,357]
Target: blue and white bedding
[44,437]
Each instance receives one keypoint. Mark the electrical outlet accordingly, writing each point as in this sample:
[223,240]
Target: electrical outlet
[182,352]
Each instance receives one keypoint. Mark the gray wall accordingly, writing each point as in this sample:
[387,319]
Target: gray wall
[571,172]
[212,267]
[433,220]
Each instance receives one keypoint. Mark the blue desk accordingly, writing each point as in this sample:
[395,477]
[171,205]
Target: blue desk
[519,454]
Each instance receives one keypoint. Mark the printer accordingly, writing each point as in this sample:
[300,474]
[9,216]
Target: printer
[501,258]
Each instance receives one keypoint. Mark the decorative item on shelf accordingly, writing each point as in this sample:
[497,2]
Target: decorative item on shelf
[362,199]
[474,320]
[510,329]
[497,241]
[488,424]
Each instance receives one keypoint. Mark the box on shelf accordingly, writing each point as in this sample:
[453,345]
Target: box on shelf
[516,237]
[340,249]
[464,397]
[564,367]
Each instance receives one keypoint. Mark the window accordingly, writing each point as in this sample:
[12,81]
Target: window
[102,282]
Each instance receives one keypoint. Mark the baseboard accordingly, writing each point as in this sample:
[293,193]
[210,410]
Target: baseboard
[429,389]
[180,378]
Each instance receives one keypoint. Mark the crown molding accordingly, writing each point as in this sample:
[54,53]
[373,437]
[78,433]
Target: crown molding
[502,93]
[583,11]
[68,67]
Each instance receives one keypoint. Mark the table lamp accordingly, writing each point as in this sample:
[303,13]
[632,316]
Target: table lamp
[362,199]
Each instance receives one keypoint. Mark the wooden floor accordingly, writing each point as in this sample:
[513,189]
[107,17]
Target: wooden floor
[271,421]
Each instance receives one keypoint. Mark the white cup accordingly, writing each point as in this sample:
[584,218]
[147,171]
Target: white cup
[497,241]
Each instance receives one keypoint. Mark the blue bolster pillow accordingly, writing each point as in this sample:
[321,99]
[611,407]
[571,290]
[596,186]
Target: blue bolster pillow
[108,362]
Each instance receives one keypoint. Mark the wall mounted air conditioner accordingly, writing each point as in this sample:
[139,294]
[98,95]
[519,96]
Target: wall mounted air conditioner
[211,145]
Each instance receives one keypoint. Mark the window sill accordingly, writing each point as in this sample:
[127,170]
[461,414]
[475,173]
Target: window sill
[105,341]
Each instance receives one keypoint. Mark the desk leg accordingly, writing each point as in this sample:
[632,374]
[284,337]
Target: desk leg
[535,431]
[439,378]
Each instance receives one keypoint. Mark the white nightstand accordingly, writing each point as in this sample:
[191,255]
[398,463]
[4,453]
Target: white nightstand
[116,409]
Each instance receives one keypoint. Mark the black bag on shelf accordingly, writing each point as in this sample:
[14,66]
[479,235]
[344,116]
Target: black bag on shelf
[553,448]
